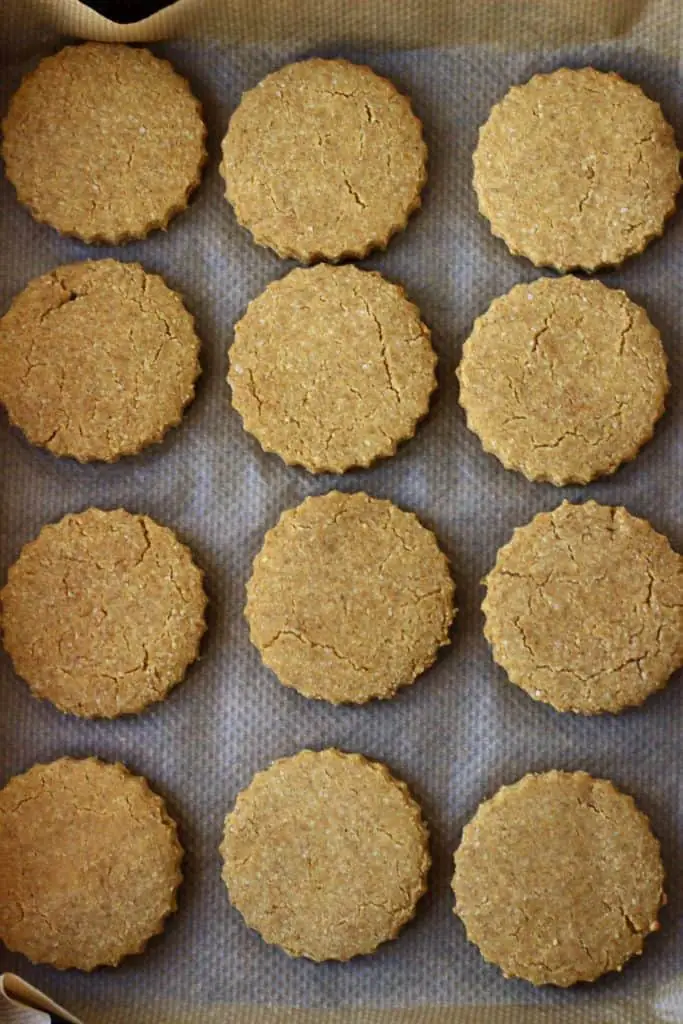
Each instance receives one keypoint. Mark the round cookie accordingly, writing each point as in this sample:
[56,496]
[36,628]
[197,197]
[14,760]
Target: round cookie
[90,863]
[97,360]
[331,367]
[326,855]
[324,159]
[558,879]
[350,598]
[103,612]
[104,142]
[563,379]
[584,609]
[576,169]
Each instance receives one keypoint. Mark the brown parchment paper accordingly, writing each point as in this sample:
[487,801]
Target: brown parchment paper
[462,730]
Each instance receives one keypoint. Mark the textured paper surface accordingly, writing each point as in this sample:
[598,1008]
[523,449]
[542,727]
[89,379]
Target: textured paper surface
[460,731]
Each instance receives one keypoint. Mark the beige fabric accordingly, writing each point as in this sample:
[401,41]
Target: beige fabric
[510,24]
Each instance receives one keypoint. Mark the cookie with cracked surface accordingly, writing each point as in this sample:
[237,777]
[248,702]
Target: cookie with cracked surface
[563,379]
[103,613]
[326,855]
[90,863]
[349,599]
[331,367]
[584,609]
[324,159]
[576,169]
[558,879]
[104,141]
[97,360]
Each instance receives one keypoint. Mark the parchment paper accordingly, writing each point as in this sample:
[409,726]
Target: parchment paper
[461,730]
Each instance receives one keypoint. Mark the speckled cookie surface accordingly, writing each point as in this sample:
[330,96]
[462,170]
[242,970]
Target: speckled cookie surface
[324,159]
[103,612]
[584,608]
[350,598]
[576,169]
[563,379]
[97,360]
[331,367]
[90,863]
[558,879]
[104,142]
[326,855]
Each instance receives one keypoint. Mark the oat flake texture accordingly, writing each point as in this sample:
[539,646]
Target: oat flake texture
[103,612]
[349,599]
[97,360]
[90,863]
[563,379]
[104,142]
[576,169]
[324,160]
[331,368]
[558,879]
[326,855]
[584,608]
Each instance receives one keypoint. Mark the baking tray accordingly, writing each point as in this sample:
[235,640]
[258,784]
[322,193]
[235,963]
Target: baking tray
[461,730]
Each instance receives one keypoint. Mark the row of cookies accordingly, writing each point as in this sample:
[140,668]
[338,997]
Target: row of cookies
[558,878]
[350,598]
[325,160]
[331,367]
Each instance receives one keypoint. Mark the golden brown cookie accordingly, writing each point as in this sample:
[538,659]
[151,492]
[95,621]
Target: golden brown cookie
[324,160]
[104,142]
[97,360]
[90,863]
[584,609]
[326,855]
[576,169]
[558,879]
[563,379]
[103,612]
[331,367]
[350,598]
